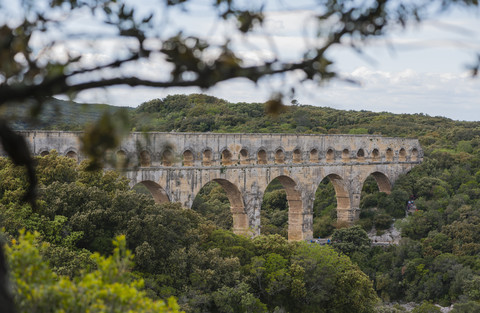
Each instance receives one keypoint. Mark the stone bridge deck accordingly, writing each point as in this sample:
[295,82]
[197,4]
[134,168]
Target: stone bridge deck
[175,166]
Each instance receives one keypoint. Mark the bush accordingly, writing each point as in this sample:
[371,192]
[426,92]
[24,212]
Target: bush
[110,288]
[382,221]
[426,307]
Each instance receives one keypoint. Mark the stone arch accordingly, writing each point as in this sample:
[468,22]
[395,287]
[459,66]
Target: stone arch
[167,157]
[207,157]
[382,180]
[262,156]
[330,156]
[279,156]
[188,158]
[297,156]
[346,155]
[158,193]
[375,155]
[361,155]
[343,197]
[72,154]
[295,208]
[243,155]
[226,157]
[402,155]
[414,155]
[237,207]
[314,156]
[145,158]
[44,153]
[389,155]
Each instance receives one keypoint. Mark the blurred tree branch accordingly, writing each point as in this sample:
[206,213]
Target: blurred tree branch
[38,62]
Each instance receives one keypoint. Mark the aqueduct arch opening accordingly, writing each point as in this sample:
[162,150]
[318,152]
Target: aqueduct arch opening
[188,158]
[342,195]
[375,155]
[330,156]
[279,156]
[389,155]
[72,154]
[262,157]
[324,209]
[145,159]
[207,157]
[314,156]
[244,157]
[346,155]
[383,182]
[158,193]
[237,207]
[168,157]
[295,207]
[226,157]
[297,156]
[361,155]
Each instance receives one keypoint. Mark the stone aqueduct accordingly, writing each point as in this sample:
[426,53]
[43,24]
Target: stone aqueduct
[175,166]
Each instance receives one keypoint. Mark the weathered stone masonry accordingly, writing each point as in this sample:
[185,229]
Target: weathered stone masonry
[175,166]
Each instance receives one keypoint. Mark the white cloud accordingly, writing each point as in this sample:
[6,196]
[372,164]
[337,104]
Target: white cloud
[448,94]
[423,73]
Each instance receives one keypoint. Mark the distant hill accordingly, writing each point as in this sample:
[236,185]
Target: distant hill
[202,113]
[55,114]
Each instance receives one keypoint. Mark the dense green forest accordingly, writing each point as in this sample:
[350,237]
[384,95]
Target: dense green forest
[192,255]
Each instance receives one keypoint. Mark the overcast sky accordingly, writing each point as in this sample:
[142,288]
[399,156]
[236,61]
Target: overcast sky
[422,69]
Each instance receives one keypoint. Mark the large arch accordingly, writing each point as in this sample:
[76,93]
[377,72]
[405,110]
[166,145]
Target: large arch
[158,193]
[343,197]
[295,208]
[382,180]
[237,207]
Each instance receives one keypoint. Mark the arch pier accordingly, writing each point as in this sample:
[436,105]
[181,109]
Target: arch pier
[244,165]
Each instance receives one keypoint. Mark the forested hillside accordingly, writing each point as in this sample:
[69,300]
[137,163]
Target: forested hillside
[201,113]
[192,255]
